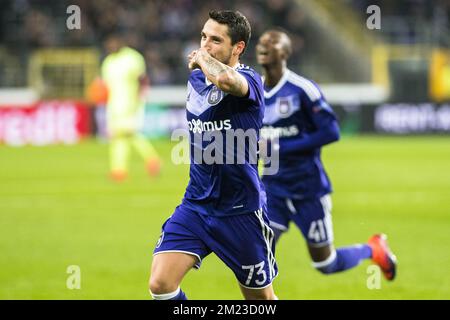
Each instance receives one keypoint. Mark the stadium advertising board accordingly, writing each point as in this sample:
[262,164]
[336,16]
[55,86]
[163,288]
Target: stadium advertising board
[44,123]
[395,118]
[405,118]
[387,118]
[66,121]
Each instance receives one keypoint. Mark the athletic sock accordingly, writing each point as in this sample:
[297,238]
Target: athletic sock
[344,259]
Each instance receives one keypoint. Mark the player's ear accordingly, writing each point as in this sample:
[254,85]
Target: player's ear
[238,48]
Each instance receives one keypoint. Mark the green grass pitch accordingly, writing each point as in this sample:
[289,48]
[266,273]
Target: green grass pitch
[57,208]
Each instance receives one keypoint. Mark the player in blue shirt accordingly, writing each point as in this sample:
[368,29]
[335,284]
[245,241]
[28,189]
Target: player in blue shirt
[224,207]
[299,117]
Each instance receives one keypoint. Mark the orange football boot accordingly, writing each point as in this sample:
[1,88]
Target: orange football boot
[154,167]
[118,175]
[383,256]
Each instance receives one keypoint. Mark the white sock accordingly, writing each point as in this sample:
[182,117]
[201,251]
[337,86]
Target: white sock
[165,296]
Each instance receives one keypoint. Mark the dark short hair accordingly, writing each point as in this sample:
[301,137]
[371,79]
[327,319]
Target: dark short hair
[238,26]
[287,47]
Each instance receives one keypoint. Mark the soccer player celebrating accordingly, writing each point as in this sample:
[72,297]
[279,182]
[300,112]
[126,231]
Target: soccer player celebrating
[123,71]
[223,210]
[298,115]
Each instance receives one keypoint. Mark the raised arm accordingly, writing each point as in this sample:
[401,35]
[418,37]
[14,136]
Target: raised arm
[224,77]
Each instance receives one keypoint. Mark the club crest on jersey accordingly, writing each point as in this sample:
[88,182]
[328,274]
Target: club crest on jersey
[214,96]
[284,107]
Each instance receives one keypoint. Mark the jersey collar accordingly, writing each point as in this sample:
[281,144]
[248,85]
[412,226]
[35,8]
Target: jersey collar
[280,83]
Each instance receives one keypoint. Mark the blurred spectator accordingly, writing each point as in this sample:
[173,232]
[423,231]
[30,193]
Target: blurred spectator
[411,21]
[163,30]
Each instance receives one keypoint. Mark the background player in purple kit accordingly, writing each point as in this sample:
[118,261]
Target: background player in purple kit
[223,210]
[298,115]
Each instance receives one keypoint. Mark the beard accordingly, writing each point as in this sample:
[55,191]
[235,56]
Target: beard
[225,59]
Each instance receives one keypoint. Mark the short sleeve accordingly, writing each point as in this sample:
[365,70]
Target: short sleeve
[315,103]
[138,63]
[255,87]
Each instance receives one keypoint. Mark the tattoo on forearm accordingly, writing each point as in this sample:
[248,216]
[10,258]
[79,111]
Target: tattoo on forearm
[239,85]
[214,67]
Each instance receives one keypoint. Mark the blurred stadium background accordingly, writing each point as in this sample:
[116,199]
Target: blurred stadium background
[391,170]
